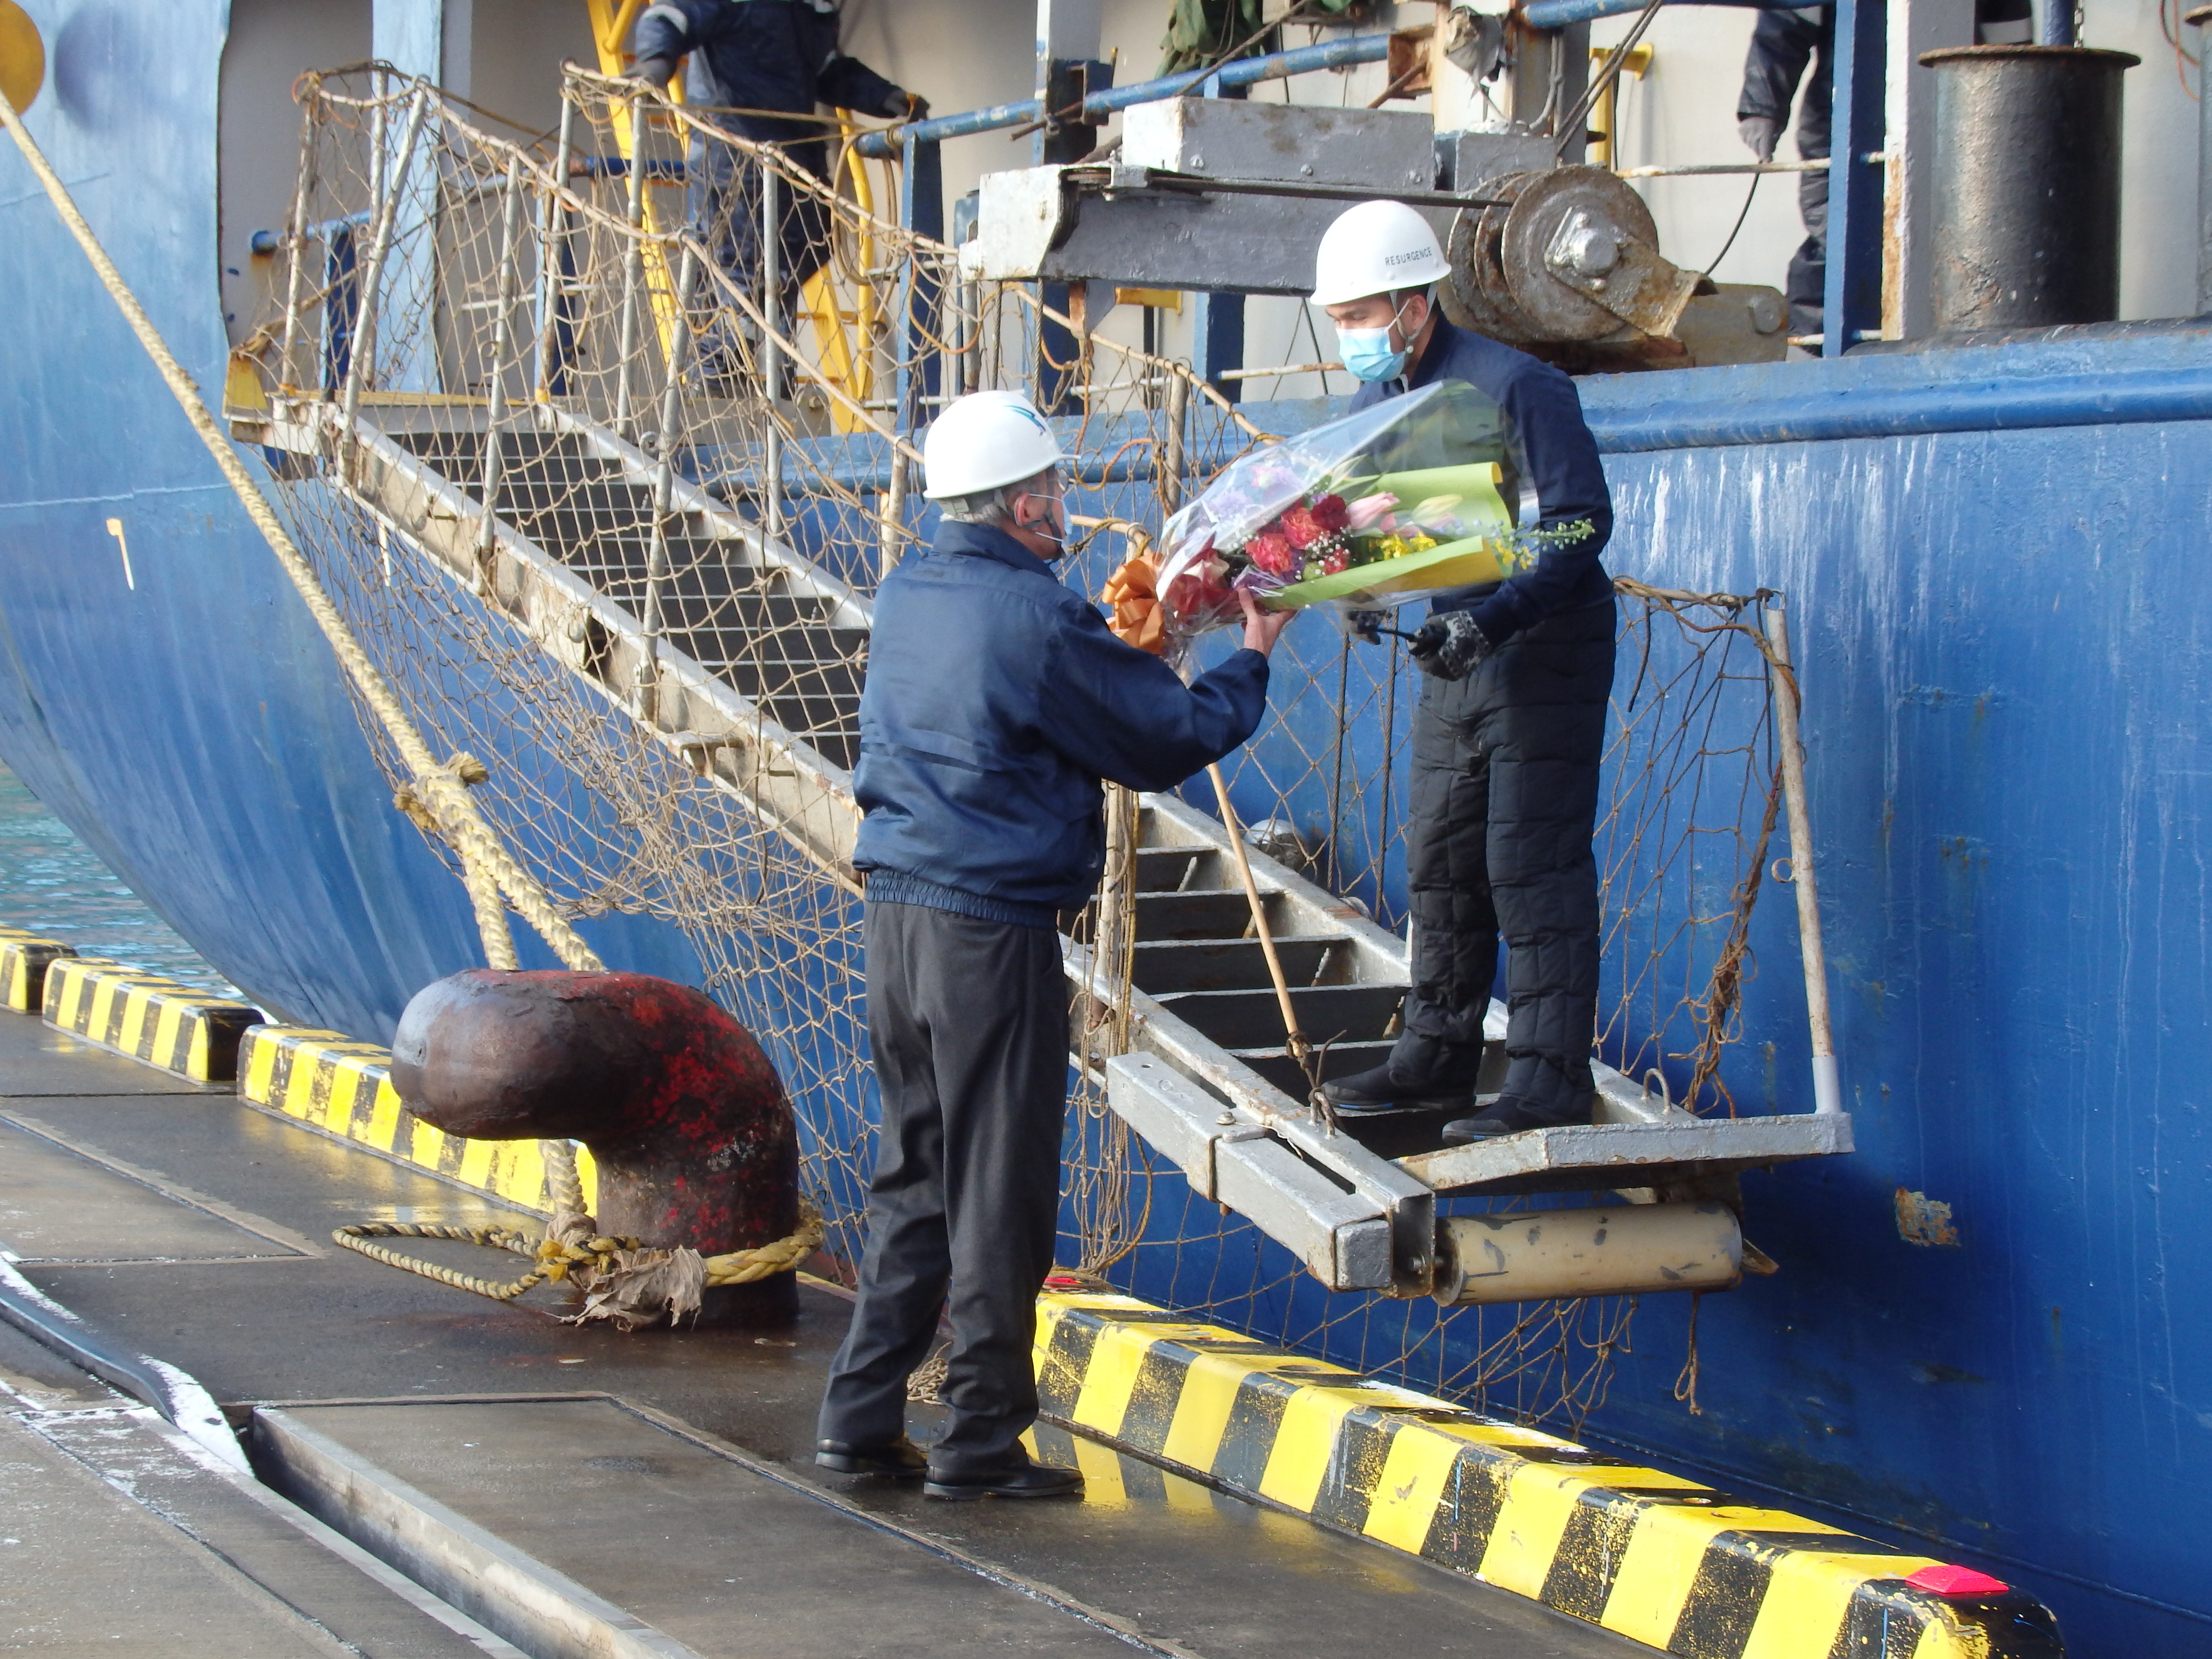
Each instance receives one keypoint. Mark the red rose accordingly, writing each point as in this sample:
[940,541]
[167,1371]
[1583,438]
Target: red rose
[1330,513]
[1194,597]
[1272,552]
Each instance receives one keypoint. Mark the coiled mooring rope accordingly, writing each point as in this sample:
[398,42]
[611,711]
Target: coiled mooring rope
[584,1261]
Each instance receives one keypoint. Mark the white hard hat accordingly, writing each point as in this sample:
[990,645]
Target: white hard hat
[984,441]
[1374,248]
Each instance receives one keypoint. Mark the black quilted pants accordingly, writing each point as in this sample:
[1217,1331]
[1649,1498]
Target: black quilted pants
[1497,841]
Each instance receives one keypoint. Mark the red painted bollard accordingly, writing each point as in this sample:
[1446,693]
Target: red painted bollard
[685,1115]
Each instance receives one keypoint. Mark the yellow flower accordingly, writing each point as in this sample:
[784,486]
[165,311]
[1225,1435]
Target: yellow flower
[1420,542]
[1390,547]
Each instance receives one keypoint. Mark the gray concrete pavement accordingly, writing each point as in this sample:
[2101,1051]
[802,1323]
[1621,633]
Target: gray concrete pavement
[244,1292]
[85,1569]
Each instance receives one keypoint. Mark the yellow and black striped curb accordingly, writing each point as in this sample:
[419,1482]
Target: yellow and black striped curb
[24,958]
[343,1087]
[147,1017]
[1665,1561]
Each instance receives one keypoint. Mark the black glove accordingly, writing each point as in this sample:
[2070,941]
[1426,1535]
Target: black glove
[1449,646]
[1362,624]
[1760,134]
[906,106]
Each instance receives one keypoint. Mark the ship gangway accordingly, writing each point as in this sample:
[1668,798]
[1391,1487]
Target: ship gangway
[695,612]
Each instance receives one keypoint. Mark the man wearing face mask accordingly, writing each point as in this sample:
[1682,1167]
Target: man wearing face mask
[1510,724]
[996,700]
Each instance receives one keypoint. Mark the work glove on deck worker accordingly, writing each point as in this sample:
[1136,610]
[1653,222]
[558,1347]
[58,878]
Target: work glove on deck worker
[1449,646]
[1759,133]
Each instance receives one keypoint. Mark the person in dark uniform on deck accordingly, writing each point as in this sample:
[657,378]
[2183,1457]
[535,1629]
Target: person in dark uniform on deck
[996,700]
[1510,724]
[1783,43]
[750,60]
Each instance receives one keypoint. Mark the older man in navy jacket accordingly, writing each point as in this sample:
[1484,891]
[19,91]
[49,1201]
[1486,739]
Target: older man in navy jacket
[996,700]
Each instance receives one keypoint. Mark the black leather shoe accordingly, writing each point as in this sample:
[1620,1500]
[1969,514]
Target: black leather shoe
[900,1461]
[1510,1114]
[1378,1090]
[1030,1480]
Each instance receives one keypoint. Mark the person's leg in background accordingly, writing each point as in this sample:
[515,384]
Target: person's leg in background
[722,196]
[1807,280]
[1454,955]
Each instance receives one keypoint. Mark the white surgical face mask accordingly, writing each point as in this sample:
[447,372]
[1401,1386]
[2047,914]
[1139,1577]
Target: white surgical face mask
[1368,353]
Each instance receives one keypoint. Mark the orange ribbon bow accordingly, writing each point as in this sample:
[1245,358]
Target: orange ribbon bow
[1133,591]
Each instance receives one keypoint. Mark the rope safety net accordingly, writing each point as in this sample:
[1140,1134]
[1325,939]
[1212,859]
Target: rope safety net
[688,375]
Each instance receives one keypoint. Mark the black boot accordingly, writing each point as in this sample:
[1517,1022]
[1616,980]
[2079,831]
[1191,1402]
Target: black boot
[902,1460]
[1025,1479]
[1382,1089]
[1510,1114]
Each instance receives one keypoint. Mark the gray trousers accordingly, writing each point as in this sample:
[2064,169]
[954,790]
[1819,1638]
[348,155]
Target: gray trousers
[968,1020]
[1497,841]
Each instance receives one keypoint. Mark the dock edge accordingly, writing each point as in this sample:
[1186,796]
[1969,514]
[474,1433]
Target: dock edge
[329,1082]
[145,1017]
[1652,1556]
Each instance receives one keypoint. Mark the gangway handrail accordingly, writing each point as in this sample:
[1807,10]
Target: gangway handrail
[887,144]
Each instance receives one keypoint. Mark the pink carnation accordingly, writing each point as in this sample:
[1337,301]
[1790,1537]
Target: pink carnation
[1272,552]
[1301,527]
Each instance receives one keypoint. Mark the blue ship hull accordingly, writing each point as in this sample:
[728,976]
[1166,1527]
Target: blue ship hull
[1995,562]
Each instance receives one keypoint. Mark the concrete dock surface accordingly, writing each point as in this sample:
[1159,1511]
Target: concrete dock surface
[571,1489]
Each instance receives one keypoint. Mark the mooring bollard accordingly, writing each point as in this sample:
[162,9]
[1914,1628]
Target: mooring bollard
[694,1142]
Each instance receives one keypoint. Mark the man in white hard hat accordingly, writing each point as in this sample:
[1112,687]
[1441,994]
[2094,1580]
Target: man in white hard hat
[1510,724]
[996,700]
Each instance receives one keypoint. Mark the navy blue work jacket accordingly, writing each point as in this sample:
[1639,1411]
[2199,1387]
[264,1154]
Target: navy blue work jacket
[1554,452]
[996,700]
[765,55]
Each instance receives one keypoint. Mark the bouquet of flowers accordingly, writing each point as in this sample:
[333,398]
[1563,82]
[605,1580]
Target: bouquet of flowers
[1383,507]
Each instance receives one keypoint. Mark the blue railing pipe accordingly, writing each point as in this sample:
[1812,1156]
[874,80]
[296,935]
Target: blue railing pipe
[1828,412]
[668,171]
[271,241]
[1559,14]
[1244,72]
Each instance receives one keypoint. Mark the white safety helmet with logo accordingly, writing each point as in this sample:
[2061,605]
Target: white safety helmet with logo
[985,441]
[1377,247]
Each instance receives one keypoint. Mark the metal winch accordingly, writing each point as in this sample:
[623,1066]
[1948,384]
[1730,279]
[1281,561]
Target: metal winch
[1226,196]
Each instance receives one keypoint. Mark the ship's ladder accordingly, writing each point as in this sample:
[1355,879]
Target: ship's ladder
[697,613]
[842,303]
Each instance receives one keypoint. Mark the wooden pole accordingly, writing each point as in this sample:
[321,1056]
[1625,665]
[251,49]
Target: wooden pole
[1827,1082]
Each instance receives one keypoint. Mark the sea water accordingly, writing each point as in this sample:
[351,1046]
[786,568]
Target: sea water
[52,883]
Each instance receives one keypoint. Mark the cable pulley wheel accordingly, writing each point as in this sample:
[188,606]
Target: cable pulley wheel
[1477,297]
[1544,201]
[1464,300]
